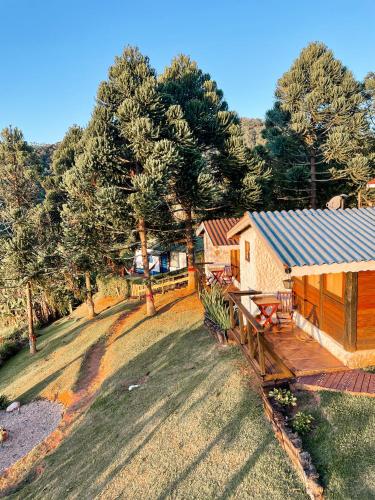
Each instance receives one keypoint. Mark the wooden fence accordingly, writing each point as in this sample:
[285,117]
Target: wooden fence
[161,285]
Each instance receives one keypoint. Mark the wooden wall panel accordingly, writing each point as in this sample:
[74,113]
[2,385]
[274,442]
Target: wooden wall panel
[366,310]
[320,309]
[333,318]
[312,304]
[298,288]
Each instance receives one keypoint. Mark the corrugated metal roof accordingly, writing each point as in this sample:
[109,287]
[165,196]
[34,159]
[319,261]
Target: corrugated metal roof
[316,237]
[217,230]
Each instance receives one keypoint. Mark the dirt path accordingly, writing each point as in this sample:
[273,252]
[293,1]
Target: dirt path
[76,402]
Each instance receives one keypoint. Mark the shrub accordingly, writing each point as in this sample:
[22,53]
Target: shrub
[302,422]
[4,401]
[369,369]
[13,344]
[113,286]
[283,396]
[215,306]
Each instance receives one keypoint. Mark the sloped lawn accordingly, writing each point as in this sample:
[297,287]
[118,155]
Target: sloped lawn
[343,444]
[193,429]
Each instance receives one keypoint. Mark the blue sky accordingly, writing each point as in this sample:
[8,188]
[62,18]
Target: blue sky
[54,53]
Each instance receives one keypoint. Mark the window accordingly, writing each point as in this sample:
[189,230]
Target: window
[314,281]
[334,284]
[247,251]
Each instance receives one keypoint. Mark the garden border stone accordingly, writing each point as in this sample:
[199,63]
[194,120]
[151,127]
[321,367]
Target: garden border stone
[292,445]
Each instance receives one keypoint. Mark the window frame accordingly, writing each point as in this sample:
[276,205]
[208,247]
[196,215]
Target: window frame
[332,295]
[247,251]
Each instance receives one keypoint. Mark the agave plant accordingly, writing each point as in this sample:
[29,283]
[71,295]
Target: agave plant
[215,306]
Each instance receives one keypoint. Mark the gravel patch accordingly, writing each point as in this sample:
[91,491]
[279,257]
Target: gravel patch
[28,428]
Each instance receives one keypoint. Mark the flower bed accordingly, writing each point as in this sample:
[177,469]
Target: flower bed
[280,417]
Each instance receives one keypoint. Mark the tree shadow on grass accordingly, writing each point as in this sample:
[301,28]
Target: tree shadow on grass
[120,424]
[53,339]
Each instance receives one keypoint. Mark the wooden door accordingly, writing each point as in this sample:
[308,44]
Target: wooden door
[235,264]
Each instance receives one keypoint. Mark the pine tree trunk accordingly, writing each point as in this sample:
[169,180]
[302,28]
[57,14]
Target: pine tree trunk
[150,305]
[30,319]
[89,300]
[192,272]
[314,203]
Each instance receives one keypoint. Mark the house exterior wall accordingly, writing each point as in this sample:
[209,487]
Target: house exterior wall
[357,359]
[325,318]
[366,310]
[219,255]
[263,273]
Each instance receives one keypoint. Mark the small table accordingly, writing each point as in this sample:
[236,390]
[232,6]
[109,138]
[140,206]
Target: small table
[267,302]
[217,274]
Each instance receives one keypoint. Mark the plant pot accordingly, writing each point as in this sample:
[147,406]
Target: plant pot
[222,336]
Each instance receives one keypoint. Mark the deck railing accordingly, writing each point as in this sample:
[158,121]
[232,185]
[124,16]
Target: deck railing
[250,334]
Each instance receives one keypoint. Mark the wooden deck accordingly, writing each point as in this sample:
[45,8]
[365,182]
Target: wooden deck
[357,382]
[291,353]
[302,354]
[278,353]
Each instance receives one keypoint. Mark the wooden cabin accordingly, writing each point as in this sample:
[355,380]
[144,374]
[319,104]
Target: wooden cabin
[328,258]
[219,251]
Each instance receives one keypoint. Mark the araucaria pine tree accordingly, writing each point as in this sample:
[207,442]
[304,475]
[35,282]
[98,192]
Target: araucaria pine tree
[327,112]
[215,172]
[117,189]
[22,242]
[146,155]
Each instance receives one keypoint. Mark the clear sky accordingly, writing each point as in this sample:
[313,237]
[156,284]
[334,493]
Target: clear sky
[55,52]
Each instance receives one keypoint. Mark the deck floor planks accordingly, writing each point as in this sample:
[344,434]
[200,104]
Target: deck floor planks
[301,353]
[353,381]
[321,371]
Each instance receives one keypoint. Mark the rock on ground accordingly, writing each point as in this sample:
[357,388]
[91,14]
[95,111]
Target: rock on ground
[27,429]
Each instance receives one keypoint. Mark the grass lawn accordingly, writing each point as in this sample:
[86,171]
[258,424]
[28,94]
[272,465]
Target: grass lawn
[343,444]
[61,348]
[193,429]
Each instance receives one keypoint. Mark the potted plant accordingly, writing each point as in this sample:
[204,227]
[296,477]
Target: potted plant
[216,312]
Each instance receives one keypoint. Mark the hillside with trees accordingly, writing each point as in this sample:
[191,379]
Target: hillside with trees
[160,153]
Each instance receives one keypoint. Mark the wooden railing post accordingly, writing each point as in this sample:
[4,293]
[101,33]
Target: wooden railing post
[231,314]
[262,364]
[242,333]
[250,339]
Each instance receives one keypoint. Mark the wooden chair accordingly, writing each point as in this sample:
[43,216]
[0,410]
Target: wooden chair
[286,309]
[227,276]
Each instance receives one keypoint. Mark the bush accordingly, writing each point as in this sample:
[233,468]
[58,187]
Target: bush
[13,344]
[4,401]
[113,286]
[284,397]
[302,422]
[215,306]
[369,369]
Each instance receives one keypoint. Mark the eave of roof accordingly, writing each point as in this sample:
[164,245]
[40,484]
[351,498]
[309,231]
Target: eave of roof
[217,230]
[318,237]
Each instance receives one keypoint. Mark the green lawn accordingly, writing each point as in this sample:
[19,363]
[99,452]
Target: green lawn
[343,443]
[61,349]
[194,429]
